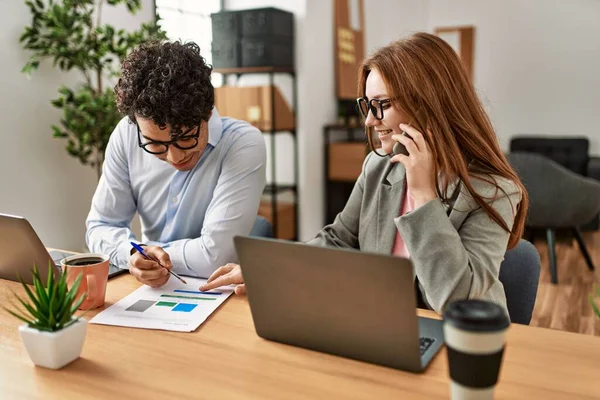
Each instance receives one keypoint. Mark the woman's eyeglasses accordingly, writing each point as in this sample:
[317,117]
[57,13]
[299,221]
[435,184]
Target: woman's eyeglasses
[185,141]
[374,105]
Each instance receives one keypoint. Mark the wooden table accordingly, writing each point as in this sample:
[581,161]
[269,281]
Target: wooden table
[225,359]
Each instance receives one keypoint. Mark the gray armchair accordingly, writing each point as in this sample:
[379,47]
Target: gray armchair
[570,152]
[559,199]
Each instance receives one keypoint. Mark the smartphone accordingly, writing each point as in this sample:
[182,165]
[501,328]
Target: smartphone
[399,148]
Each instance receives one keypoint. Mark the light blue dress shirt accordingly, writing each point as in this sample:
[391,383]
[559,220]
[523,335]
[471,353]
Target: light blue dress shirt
[193,214]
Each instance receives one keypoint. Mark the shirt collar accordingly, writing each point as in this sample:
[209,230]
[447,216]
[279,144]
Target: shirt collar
[215,128]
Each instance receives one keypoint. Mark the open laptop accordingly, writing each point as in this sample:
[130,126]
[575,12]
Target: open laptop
[21,248]
[338,301]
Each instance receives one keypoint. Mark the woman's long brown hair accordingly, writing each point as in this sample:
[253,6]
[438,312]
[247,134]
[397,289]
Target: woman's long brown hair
[429,84]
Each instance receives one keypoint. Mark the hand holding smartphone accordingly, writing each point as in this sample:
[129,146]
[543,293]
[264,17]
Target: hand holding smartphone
[399,148]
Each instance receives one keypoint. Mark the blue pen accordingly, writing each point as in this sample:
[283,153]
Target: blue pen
[149,257]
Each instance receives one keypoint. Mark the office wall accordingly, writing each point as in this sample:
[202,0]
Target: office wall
[37,177]
[316,91]
[537,63]
[388,20]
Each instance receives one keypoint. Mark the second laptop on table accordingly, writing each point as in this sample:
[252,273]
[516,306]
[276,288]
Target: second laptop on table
[338,301]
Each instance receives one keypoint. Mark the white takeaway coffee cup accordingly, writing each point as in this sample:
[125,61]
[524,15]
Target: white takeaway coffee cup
[475,333]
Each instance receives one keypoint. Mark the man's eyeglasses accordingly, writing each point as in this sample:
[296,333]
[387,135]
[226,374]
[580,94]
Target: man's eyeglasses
[185,141]
[374,105]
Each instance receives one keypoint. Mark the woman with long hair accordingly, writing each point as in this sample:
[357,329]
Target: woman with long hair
[436,188]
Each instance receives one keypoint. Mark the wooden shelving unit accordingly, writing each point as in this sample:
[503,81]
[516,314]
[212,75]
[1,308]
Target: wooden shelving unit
[282,215]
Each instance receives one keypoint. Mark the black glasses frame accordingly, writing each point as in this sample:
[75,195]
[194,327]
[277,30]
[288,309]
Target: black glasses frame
[376,109]
[173,142]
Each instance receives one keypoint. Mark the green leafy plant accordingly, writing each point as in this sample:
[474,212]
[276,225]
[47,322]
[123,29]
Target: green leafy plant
[49,308]
[595,293]
[72,35]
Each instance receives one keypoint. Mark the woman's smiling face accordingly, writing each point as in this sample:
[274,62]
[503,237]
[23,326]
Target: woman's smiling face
[392,118]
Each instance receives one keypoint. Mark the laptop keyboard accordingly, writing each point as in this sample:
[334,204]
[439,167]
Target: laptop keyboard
[425,343]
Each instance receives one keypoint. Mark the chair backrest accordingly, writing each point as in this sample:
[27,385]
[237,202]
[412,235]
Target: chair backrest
[570,152]
[520,275]
[262,228]
[559,198]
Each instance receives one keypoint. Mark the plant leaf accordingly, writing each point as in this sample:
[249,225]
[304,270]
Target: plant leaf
[34,313]
[15,307]
[19,316]
[50,277]
[77,304]
[32,297]
[41,291]
[70,298]
[60,300]
[52,288]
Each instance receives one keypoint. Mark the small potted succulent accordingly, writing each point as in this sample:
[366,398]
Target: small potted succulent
[53,336]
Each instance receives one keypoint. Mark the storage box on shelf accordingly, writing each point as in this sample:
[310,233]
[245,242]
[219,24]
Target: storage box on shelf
[267,21]
[253,104]
[257,52]
[253,38]
[226,25]
[226,53]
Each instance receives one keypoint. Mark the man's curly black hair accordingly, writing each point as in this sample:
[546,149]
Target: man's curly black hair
[168,83]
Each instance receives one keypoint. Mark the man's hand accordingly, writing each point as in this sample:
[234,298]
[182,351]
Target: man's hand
[230,274]
[149,272]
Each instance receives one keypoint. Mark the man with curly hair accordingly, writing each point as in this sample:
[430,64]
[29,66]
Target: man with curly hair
[194,178]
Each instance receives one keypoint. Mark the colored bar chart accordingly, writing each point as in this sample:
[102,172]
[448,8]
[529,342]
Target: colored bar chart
[177,306]
[196,292]
[171,307]
[140,305]
[184,307]
[165,304]
[172,296]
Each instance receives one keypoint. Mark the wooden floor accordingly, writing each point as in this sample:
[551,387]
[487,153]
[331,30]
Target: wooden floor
[566,306]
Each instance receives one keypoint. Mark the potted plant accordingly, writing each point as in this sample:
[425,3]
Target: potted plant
[71,34]
[53,336]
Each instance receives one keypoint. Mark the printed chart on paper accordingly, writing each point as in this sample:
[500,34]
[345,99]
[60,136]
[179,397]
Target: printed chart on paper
[173,307]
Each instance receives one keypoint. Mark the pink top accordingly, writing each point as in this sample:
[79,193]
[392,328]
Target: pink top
[408,204]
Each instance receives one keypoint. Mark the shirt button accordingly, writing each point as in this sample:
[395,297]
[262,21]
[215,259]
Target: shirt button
[174,199]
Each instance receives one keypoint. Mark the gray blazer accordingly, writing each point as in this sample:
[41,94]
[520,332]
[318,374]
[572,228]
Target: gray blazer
[456,248]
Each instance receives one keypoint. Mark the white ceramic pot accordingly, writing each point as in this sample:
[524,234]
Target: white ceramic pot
[54,349]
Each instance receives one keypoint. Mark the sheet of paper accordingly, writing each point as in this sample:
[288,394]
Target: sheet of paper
[173,307]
